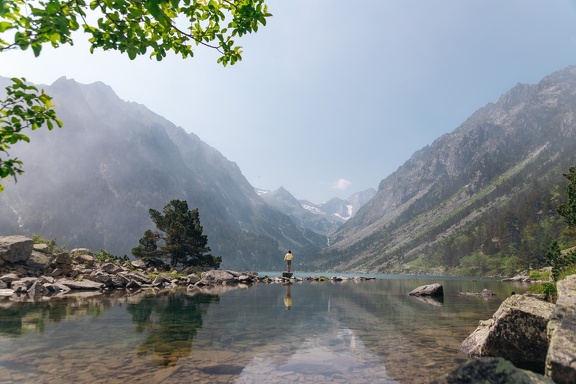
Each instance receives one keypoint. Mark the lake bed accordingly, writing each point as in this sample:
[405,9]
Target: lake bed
[314,332]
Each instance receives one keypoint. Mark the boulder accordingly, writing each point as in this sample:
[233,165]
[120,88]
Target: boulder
[561,357]
[38,260]
[41,247]
[85,259]
[80,251]
[215,277]
[491,370]
[111,268]
[435,290]
[62,260]
[516,332]
[37,289]
[14,249]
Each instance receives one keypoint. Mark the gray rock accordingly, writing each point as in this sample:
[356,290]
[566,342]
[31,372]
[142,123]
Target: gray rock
[193,278]
[140,264]
[81,284]
[561,357]
[37,289]
[14,249]
[215,277]
[491,370]
[516,332]
[41,248]
[85,259]
[111,268]
[62,260]
[428,290]
[80,251]
[133,285]
[6,292]
[9,278]
[38,260]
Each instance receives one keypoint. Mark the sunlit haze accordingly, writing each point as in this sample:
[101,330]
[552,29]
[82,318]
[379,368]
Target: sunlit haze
[333,96]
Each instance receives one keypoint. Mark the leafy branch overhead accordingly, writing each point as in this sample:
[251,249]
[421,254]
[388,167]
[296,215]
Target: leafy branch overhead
[134,27]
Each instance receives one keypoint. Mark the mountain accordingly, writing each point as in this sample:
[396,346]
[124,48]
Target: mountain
[92,182]
[323,218]
[485,191]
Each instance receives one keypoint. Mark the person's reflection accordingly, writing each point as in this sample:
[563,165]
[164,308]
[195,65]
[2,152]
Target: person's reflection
[288,297]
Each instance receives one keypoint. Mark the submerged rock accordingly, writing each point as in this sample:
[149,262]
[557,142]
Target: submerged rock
[491,370]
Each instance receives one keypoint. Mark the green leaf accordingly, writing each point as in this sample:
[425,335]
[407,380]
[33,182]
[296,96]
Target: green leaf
[5,25]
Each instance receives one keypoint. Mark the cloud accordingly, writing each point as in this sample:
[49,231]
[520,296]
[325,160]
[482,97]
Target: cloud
[341,184]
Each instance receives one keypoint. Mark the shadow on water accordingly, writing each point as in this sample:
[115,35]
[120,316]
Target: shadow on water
[369,331]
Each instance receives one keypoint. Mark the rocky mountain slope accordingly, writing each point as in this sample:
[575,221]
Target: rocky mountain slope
[92,183]
[501,154]
[321,218]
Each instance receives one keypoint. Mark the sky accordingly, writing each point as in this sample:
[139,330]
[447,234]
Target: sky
[333,96]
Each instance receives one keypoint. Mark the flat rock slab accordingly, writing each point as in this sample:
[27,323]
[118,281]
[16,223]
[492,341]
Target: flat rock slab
[287,274]
[6,292]
[81,284]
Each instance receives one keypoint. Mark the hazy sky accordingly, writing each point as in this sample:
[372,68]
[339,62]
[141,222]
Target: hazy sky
[332,96]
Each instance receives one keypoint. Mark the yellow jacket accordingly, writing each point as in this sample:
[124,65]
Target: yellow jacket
[288,256]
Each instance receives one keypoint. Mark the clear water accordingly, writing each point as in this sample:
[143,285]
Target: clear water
[346,332]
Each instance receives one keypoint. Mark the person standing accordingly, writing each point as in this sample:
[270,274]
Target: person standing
[288,259]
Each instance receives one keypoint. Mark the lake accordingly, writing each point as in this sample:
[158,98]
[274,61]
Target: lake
[331,332]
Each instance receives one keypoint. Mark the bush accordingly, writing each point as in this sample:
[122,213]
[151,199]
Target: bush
[540,274]
[547,289]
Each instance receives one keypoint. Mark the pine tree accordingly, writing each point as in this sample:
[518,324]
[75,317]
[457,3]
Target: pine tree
[179,241]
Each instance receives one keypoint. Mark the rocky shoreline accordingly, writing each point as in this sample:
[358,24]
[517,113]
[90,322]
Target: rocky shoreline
[528,340]
[30,269]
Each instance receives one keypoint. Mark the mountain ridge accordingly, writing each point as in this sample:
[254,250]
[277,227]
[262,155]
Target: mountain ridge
[530,130]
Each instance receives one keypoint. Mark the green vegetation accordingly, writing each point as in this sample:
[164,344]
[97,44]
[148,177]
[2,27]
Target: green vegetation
[179,241]
[129,26]
[547,289]
[539,275]
[103,256]
[52,247]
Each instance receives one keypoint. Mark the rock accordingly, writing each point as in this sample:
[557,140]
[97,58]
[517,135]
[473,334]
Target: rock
[85,259]
[428,290]
[14,249]
[62,260]
[111,268]
[133,285]
[485,293]
[37,289]
[193,278]
[38,260]
[9,278]
[215,277]
[516,332]
[491,370]
[41,248]
[80,251]
[6,292]
[561,357]
[81,284]
[139,264]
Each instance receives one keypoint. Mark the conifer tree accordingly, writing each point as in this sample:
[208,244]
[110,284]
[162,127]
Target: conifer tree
[179,241]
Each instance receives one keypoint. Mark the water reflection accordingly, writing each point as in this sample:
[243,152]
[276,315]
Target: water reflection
[334,332]
[288,297]
[170,322]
